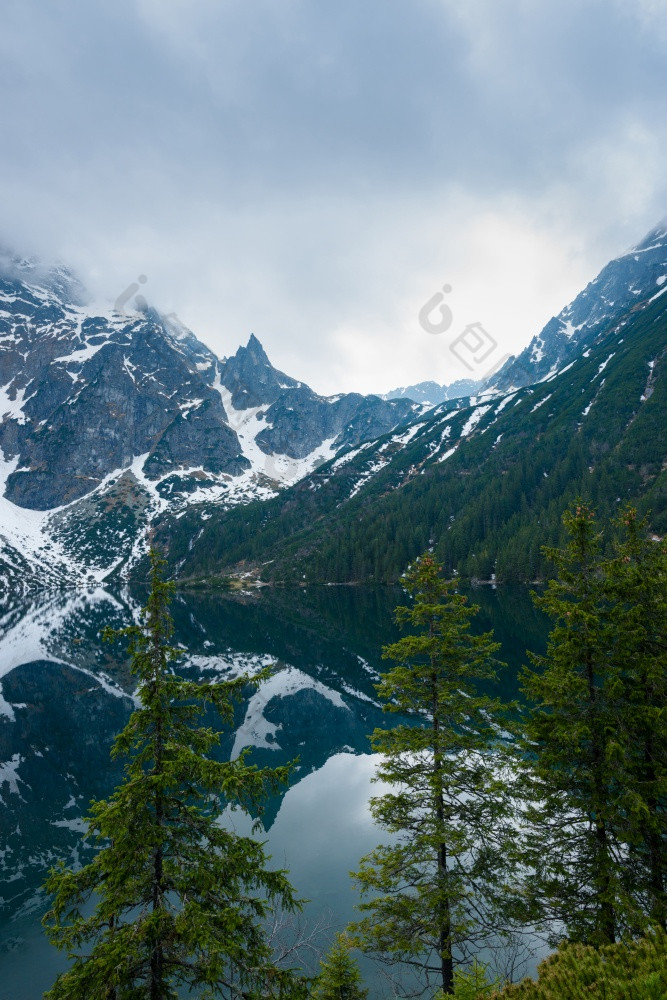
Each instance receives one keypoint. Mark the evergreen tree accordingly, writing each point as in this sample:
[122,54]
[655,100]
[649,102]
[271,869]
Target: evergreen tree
[436,888]
[629,970]
[473,983]
[637,587]
[340,978]
[577,736]
[178,899]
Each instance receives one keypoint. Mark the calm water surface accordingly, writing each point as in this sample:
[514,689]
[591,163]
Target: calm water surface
[64,696]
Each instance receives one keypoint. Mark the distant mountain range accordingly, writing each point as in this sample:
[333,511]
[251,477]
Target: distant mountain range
[114,426]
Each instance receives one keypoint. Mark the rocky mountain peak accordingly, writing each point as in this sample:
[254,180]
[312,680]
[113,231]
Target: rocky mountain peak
[255,350]
[252,379]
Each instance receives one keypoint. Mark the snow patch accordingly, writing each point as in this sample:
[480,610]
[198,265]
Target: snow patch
[9,775]
[473,420]
[603,366]
[12,409]
[448,454]
[23,530]
[568,329]
[658,294]
[77,825]
[541,402]
[504,402]
[371,471]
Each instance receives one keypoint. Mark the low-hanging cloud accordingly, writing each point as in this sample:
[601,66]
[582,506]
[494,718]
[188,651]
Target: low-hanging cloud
[313,172]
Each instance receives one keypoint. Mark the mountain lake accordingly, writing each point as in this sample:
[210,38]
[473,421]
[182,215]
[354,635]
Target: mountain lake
[65,694]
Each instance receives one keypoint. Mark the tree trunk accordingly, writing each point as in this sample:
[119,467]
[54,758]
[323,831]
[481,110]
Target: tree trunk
[157,953]
[654,844]
[444,941]
[112,993]
[606,911]
[444,914]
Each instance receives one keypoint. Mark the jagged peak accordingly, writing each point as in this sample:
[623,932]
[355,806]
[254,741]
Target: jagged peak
[255,349]
[253,352]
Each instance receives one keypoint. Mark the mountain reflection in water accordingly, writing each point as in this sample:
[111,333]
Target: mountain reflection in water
[65,695]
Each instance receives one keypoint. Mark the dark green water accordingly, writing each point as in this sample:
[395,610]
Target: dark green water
[65,695]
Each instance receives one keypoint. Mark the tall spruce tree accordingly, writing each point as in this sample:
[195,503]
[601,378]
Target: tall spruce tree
[436,888]
[579,732]
[636,580]
[178,899]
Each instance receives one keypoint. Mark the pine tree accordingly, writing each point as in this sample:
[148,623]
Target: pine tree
[440,881]
[178,899]
[637,586]
[340,978]
[629,970]
[576,739]
[473,983]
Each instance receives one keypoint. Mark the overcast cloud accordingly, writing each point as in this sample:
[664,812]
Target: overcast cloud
[315,171]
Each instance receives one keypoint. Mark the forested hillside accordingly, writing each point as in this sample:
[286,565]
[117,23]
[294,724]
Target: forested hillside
[483,484]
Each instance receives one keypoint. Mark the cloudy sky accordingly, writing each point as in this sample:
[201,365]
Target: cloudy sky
[314,171]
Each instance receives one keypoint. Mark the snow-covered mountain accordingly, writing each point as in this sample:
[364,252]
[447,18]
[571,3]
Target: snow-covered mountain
[107,419]
[432,393]
[624,283]
[109,422]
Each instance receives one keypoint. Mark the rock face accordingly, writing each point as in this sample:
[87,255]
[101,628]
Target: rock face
[623,283]
[93,394]
[251,378]
[85,395]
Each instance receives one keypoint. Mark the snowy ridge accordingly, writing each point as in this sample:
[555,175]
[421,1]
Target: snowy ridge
[626,283]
